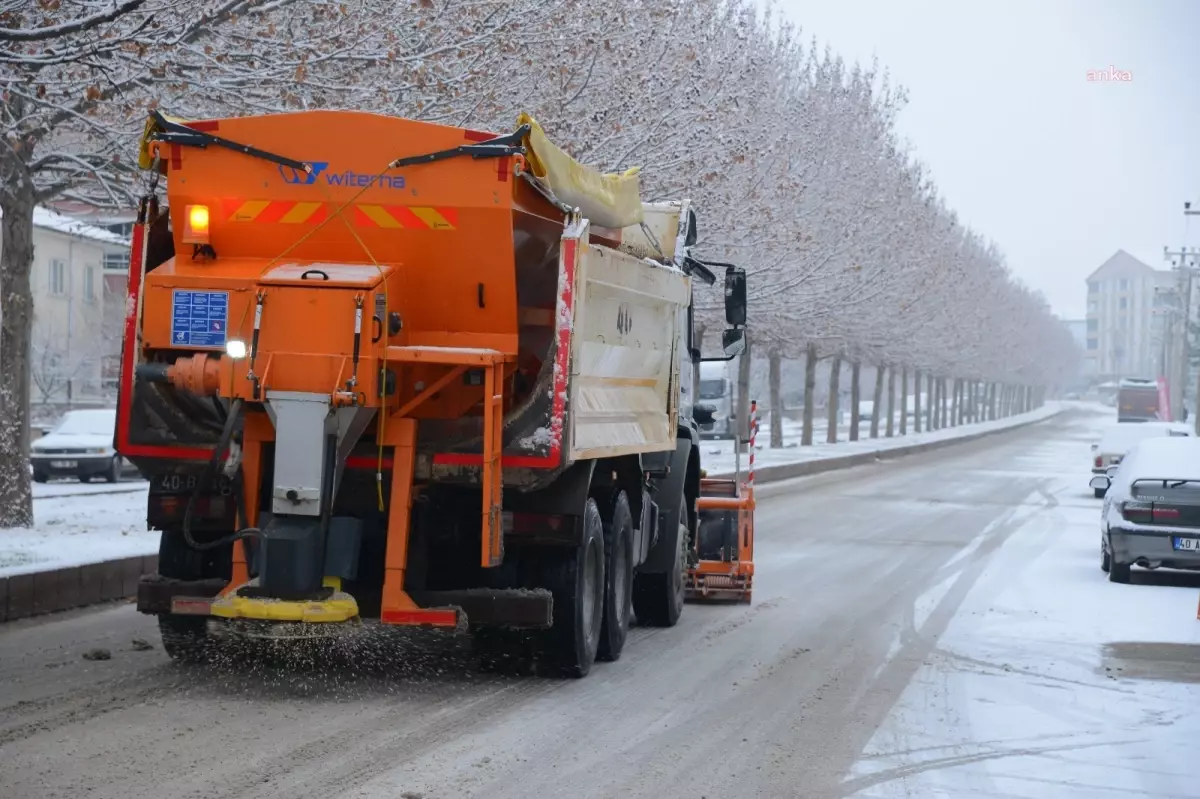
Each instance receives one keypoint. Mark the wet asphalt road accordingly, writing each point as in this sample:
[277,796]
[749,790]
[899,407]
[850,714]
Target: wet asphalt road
[774,699]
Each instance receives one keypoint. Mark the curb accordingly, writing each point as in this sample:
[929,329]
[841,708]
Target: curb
[788,471]
[38,593]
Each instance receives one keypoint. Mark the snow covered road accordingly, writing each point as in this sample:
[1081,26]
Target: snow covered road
[935,626]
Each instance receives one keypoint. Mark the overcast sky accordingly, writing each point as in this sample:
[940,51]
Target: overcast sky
[1059,171]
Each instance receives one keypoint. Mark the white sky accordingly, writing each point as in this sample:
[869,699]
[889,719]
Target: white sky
[1060,172]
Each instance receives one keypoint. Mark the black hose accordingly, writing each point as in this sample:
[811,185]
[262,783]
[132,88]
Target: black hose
[206,479]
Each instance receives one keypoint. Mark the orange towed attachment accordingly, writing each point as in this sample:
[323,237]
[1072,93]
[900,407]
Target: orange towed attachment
[721,563]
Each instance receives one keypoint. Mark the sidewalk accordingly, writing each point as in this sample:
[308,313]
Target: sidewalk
[89,544]
[718,457]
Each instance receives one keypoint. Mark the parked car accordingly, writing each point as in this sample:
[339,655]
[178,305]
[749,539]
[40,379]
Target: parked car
[1120,438]
[81,445]
[1151,514]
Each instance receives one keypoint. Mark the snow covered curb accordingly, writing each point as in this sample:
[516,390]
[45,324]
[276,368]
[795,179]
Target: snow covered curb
[874,450]
[33,594]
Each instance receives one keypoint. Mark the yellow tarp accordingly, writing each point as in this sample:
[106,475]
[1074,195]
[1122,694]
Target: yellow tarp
[607,199]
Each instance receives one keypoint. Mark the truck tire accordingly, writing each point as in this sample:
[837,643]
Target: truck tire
[184,638]
[577,583]
[618,580]
[658,598]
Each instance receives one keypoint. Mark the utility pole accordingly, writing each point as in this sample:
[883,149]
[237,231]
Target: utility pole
[1188,263]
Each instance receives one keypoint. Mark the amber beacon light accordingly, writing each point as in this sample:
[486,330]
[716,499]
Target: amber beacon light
[195,229]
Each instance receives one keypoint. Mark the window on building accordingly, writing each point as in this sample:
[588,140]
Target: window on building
[1093,344]
[1093,287]
[1124,303]
[116,261]
[89,283]
[58,277]
[1093,325]
[1124,285]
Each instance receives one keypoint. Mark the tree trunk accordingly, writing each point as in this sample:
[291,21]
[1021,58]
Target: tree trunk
[931,419]
[855,389]
[891,402]
[774,381]
[810,391]
[877,405]
[904,401]
[917,401]
[743,397]
[944,410]
[835,384]
[16,328]
[971,402]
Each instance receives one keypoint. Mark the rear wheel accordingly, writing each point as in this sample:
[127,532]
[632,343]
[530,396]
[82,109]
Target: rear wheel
[40,477]
[577,582]
[618,578]
[658,598]
[1099,492]
[185,638]
[114,470]
[1105,560]
[1117,572]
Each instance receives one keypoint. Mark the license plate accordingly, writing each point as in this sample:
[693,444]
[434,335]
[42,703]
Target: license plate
[1186,544]
[63,464]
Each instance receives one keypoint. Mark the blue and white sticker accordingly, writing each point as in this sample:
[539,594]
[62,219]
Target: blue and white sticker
[199,318]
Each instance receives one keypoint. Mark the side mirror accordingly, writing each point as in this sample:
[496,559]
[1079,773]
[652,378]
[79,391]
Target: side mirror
[1095,447]
[733,342]
[1110,471]
[735,296]
[1101,482]
[692,235]
[703,414]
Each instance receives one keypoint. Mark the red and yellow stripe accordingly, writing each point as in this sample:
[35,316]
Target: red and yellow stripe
[292,212]
[286,212]
[409,217]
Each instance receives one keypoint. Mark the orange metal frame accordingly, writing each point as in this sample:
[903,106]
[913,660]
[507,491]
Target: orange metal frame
[421,273]
[732,579]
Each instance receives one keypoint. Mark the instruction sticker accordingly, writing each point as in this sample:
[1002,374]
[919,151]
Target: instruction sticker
[199,318]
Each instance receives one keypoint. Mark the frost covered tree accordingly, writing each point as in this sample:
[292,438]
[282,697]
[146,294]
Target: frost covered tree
[789,153]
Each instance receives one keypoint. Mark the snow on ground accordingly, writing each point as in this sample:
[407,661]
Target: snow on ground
[87,523]
[1049,681]
[73,488]
[78,529]
[718,456]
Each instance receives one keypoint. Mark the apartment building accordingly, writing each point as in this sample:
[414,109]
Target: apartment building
[78,282]
[1124,327]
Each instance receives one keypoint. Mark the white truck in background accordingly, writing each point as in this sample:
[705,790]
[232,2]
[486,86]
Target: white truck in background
[716,392]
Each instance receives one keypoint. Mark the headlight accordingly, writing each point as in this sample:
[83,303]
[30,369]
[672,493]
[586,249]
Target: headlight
[97,451]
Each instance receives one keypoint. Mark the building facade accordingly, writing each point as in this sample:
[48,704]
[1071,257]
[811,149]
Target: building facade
[78,283]
[1125,322]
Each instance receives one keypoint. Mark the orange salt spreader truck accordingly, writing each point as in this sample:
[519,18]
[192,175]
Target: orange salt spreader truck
[387,369]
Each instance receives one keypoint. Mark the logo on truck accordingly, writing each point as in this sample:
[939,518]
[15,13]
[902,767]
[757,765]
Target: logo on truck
[347,177]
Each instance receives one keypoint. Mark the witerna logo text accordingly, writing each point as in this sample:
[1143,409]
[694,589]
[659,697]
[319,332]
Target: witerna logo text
[348,177]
